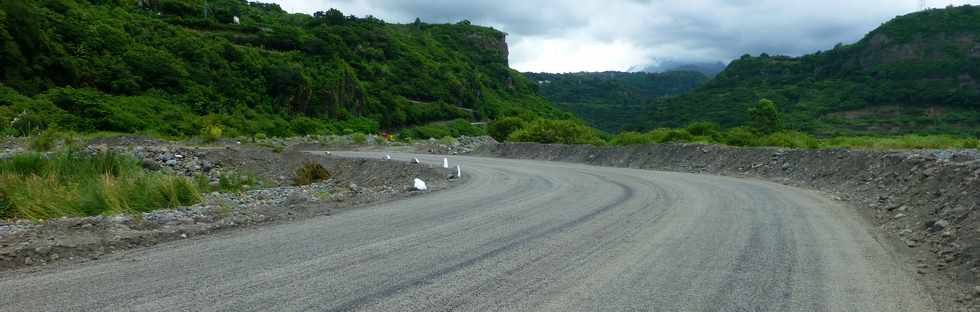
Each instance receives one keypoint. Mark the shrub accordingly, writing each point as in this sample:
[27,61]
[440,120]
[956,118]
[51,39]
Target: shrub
[310,173]
[632,138]
[971,143]
[501,129]
[359,124]
[27,123]
[44,141]
[551,131]
[307,126]
[740,136]
[211,133]
[358,138]
[765,117]
[677,136]
[704,129]
[667,135]
[791,139]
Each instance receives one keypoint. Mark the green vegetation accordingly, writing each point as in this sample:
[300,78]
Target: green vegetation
[501,129]
[550,131]
[310,173]
[764,117]
[358,138]
[743,136]
[161,67]
[235,182]
[69,183]
[44,141]
[613,101]
[914,75]
[766,130]
[452,129]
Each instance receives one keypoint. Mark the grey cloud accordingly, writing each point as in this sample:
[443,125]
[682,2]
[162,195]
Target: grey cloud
[688,30]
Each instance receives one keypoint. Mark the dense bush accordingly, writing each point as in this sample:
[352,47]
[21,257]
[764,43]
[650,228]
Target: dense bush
[551,131]
[358,138]
[791,139]
[632,138]
[741,136]
[502,128]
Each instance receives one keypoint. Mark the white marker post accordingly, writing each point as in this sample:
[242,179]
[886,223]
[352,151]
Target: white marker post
[445,163]
[420,185]
[459,172]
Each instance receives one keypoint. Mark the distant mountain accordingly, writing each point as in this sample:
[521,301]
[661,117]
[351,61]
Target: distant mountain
[707,68]
[612,101]
[916,73]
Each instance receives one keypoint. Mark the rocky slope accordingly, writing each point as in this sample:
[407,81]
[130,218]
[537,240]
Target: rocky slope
[924,202]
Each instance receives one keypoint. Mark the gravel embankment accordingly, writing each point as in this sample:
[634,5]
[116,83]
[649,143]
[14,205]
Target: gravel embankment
[353,183]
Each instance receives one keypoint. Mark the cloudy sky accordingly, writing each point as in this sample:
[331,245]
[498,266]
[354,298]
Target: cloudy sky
[597,35]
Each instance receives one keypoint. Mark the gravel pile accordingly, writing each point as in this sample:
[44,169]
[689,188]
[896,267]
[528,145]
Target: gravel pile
[460,146]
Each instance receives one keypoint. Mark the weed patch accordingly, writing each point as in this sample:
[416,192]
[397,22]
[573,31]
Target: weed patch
[69,183]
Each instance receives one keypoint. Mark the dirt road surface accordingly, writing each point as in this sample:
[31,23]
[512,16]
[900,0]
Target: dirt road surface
[518,235]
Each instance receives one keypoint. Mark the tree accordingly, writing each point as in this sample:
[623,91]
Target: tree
[500,129]
[765,118]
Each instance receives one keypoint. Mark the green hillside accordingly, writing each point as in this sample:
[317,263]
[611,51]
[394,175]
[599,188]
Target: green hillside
[613,101]
[916,73]
[172,66]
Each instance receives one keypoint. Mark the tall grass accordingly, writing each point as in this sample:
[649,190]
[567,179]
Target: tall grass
[70,183]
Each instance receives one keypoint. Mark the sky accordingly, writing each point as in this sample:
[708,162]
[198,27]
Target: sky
[620,35]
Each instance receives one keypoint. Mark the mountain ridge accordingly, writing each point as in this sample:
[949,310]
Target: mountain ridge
[915,73]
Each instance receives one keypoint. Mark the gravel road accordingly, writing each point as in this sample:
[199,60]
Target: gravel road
[516,236]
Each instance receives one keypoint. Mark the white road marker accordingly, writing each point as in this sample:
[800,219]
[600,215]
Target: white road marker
[420,185]
[445,163]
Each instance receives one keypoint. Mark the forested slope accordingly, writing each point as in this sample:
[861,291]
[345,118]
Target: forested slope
[917,73]
[613,101]
[172,66]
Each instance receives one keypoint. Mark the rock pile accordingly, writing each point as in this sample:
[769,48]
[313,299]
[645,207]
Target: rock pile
[459,146]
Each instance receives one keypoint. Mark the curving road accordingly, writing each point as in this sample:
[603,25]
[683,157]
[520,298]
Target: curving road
[517,236]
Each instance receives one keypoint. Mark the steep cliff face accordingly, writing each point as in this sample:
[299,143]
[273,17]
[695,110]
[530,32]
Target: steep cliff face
[122,59]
